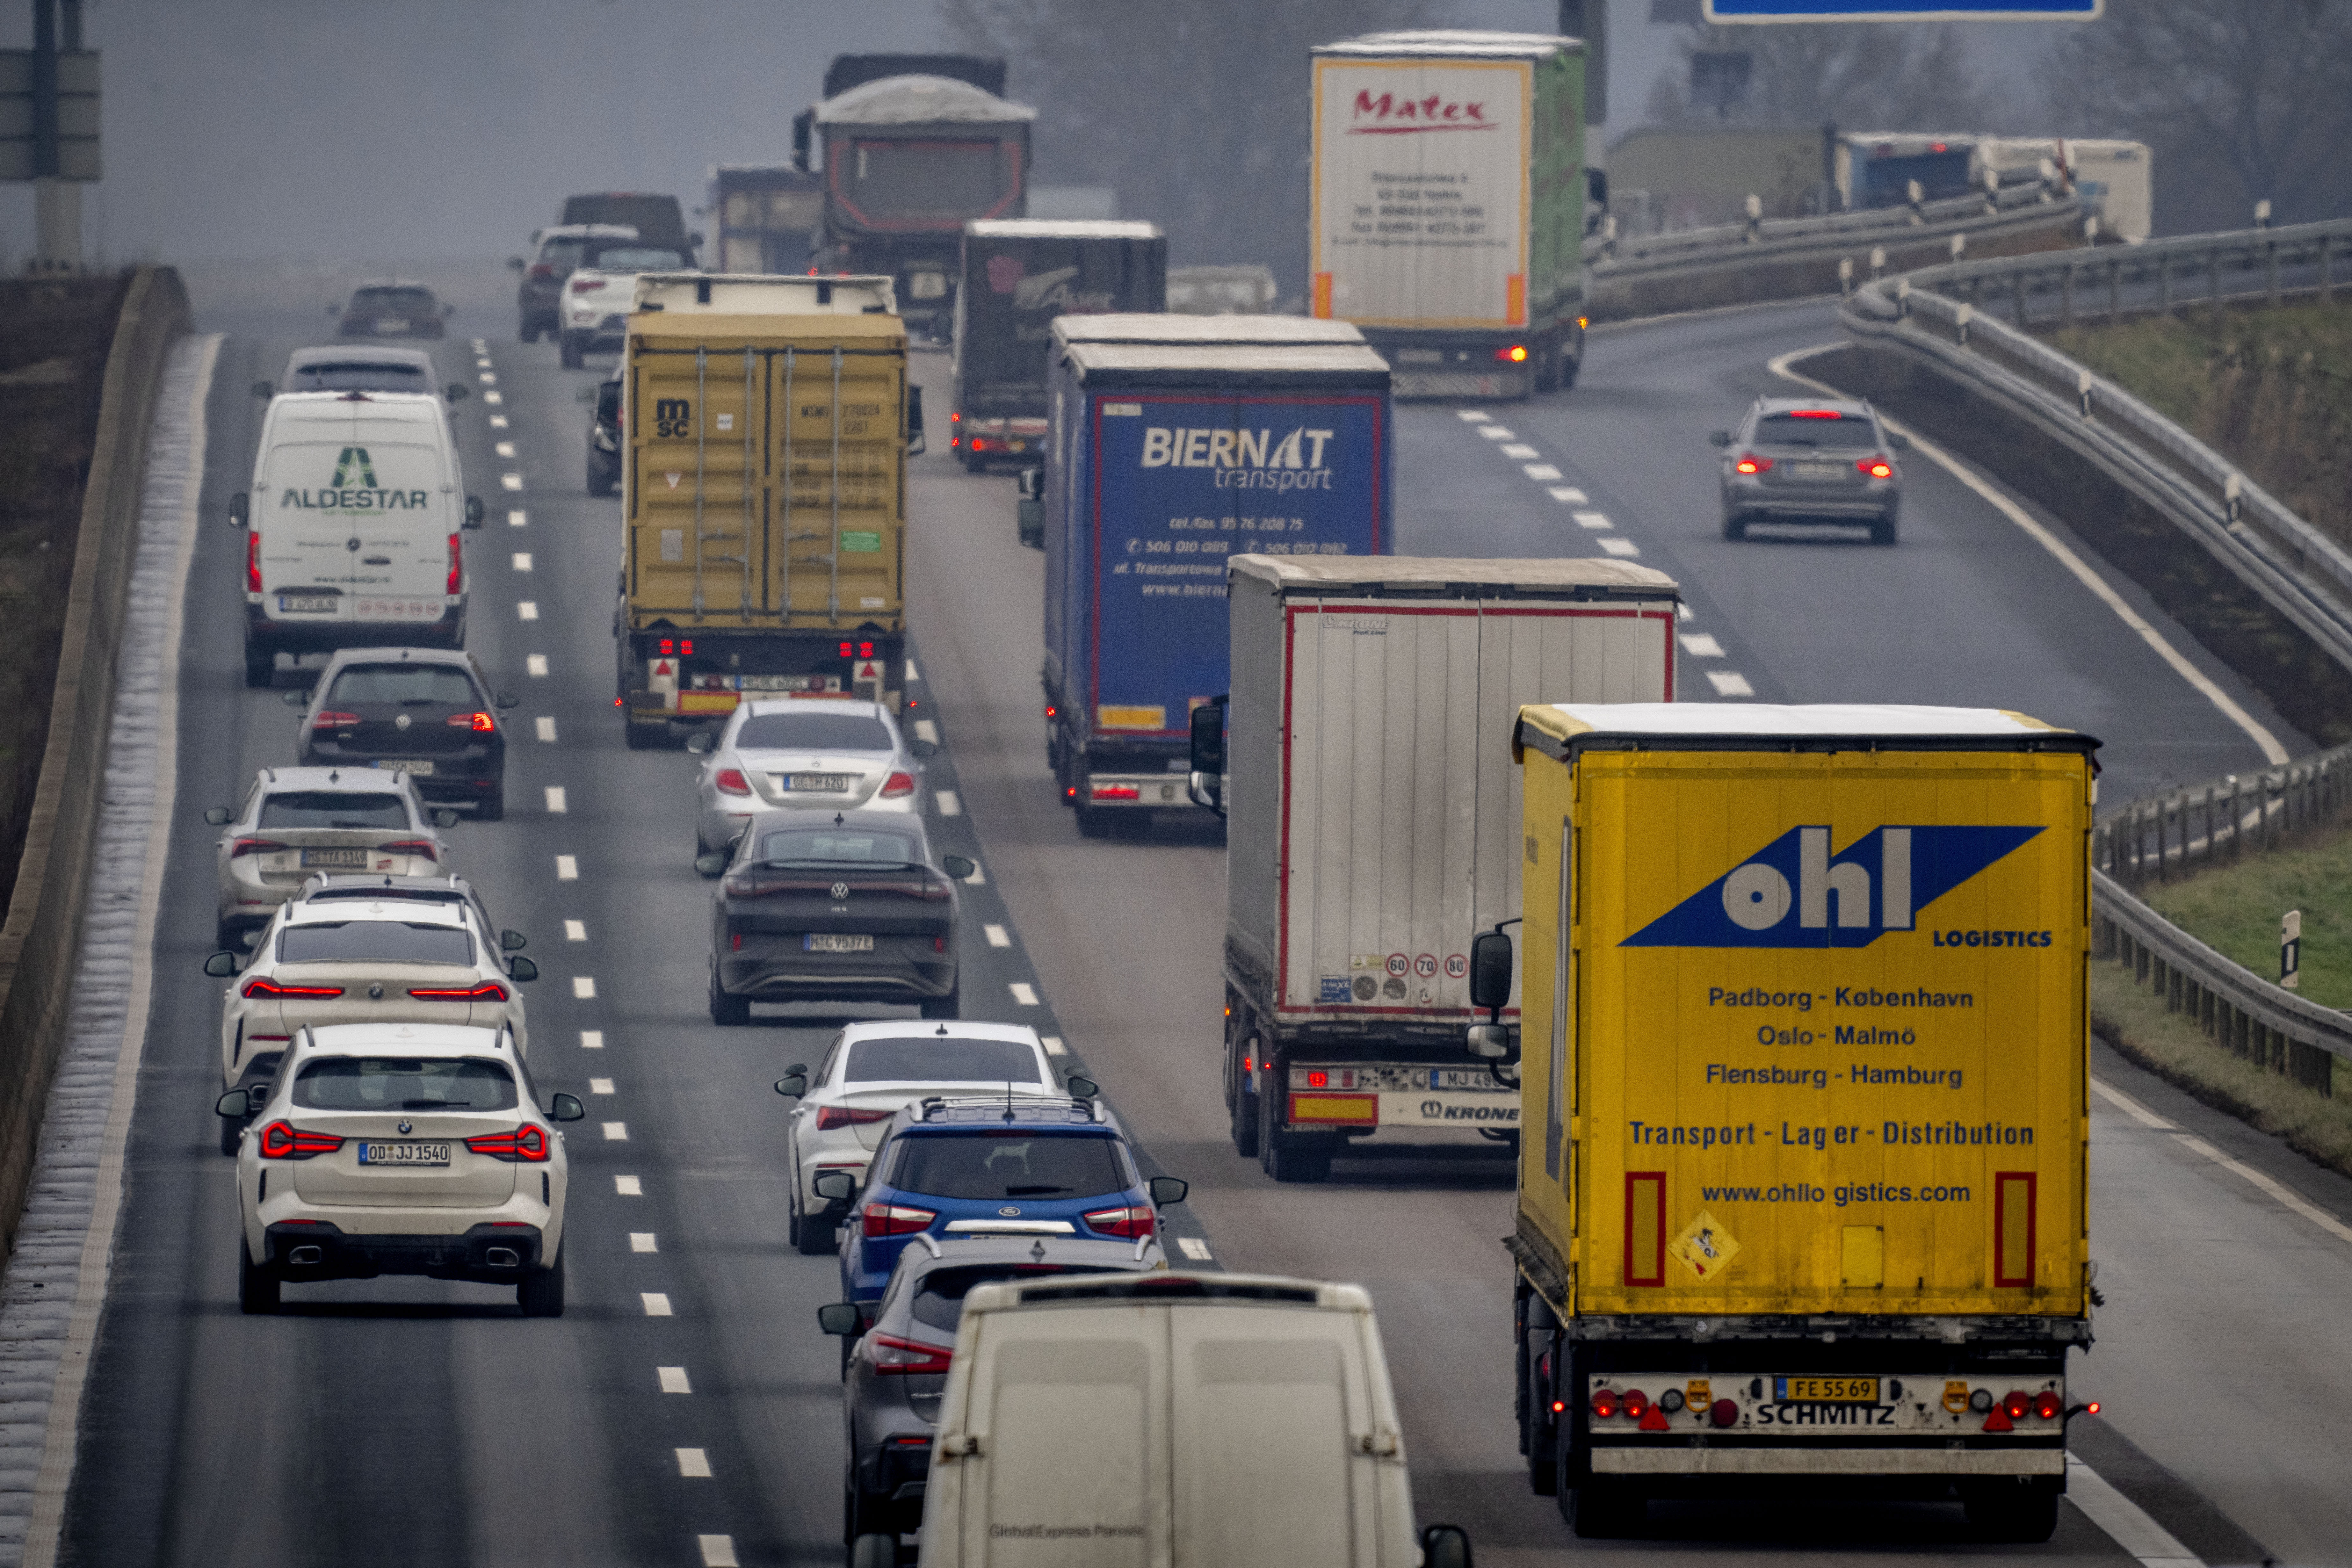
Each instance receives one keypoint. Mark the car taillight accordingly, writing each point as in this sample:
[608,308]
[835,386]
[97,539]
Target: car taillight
[480,723]
[253,560]
[893,1355]
[488,991]
[1637,1404]
[1516,354]
[2018,1405]
[1876,467]
[262,988]
[1749,463]
[832,1116]
[586,285]
[328,719]
[245,847]
[283,1140]
[978,444]
[1127,1223]
[456,568]
[525,1145]
[897,785]
[2048,1406]
[1605,1403]
[541,269]
[730,781]
[423,846]
[889,1220]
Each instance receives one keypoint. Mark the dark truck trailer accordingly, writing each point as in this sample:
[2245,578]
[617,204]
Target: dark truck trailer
[770,215]
[1019,276]
[1167,459]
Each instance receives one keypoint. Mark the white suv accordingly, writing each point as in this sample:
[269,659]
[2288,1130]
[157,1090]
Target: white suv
[401,1149]
[297,822]
[593,310]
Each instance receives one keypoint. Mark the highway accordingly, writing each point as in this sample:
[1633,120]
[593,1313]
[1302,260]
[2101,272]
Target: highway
[413,1421]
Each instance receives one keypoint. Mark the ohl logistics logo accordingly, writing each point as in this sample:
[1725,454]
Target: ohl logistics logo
[1793,893]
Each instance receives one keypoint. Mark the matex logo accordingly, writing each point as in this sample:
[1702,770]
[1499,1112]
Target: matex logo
[1795,893]
[1390,116]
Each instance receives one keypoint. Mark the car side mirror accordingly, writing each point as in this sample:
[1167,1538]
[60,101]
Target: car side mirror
[262,390]
[474,512]
[220,965]
[295,698]
[1718,437]
[236,1102]
[792,1085]
[914,421]
[957,867]
[1490,970]
[922,748]
[506,699]
[217,816]
[445,817]
[457,392]
[841,1318]
[514,263]
[834,1186]
[565,1108]
[711,865]
[512,941]
[1899,442]
[1445,1546]
[240,510]
[523,970]
[1168,1190]
[1081,1087]
[700,742]
[693,239]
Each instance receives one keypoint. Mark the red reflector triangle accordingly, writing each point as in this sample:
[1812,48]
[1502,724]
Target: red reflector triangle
[1655,1421]
[1998,1421]
[664,669]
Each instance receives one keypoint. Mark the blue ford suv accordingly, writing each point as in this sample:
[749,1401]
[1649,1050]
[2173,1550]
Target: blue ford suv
[1029,1166]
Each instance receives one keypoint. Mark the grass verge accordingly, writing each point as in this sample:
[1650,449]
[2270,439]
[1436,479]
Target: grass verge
[2235,909]
[2132,1019]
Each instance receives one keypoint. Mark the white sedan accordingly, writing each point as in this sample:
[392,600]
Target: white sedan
[297,822]
[796,753]
[866,1074]
[401,1149]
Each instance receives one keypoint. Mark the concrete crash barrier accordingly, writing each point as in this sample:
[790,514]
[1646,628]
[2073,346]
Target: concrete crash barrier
[40,935]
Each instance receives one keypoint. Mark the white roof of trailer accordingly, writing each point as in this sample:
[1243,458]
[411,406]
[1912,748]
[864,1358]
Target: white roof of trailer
[1156,327]
[920,100]
[1061,229]
[1803,720]
[1383,571]
[1461,42]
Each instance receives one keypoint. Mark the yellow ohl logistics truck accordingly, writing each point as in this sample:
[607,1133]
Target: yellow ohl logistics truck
[1803,1067]
[767,425]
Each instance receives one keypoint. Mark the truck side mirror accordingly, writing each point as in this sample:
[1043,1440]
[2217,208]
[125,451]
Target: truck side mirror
[914,421]
[1207,782]
[1445,1546]
[240,507]
[1490,970]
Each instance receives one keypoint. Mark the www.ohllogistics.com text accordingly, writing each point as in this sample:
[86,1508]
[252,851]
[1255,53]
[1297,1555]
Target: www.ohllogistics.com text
[1840,1196]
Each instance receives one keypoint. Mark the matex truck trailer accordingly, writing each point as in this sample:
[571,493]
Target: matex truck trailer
[1803,1049]
[1447,207]
[1166,459]
[1373,826]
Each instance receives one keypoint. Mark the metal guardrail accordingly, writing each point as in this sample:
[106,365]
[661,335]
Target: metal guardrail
[1834,234]
[2171,832]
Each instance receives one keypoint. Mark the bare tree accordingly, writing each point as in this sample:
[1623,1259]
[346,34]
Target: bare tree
[1196,111]
[1861,76]
[2241,100]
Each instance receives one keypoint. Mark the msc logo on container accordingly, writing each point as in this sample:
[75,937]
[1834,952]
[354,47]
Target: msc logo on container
[1794,893]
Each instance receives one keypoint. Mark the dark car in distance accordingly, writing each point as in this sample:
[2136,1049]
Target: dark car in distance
[391,309]
[426,712]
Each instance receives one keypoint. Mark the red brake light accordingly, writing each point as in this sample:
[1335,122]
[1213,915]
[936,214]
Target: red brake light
[889,1220]
[1128,1223]
[261,987]
[282,1140]
[2048,1406]
[893,1355]
[1605,1403]
[1516,354]
[586,285]
[328,719]
[1749,463]
[2017,1404]
[482,723]
[541,269]
[245,847]
[1815,414]
[898,785]
[488,991]
[978,444]
[456,568]
[1876,467]
[832,1116]
[423,846]
[253,560]
[524,1146]
[730,781]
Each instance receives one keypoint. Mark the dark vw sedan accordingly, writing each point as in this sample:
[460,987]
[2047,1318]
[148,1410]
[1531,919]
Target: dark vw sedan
[852,907]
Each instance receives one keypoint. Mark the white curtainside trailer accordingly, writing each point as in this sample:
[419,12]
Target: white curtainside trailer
[1372,824]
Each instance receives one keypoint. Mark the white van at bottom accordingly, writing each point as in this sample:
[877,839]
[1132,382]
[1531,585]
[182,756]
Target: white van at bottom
[353,527]
[1169,1420]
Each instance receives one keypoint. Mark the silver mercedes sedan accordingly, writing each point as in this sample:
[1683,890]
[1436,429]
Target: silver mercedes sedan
[815,753]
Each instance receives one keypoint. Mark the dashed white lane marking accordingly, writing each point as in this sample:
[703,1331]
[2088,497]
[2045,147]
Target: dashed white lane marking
[498,421]
[504,448]
[567,869]
[997,936]
[628,1186]
[616,1133]
[912,675]
[1593,520]
[2124,1521]
[1494,433]
[487,377]
[926,730]
[673,1380]
[978,877]
[592,1039]
[1471,416]
[1521,449]
[479,345]
[537,665]
[1701,645]
[523,560]
[1542,471]
[527,609]
[656,1304]
[949,804]
[1617,546]
[1053,1047]
[584,988]
[693,1462]
[1730,683]
[510,481]
[1568,495]
[545,725]
[2285,1196]
[492,398]
[575,930]
[600,1085]
[517,518]
[718,1551]
[1193,1247]
[1683,612]
[1024,993]
[2066,557]
[642,1241]
[556,800]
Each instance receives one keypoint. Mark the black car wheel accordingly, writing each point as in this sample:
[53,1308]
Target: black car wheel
[812,1236]
[232,1133]
[948,1006]
[568,349]
[727,1010]
[2022,1509]
[261,666]
[257,1287]
[493,806]
[1882,532]
[541,1294]
[1734,527]
[1240,1102]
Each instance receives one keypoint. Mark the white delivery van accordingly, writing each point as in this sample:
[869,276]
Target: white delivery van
[352,527]
[1169,1420]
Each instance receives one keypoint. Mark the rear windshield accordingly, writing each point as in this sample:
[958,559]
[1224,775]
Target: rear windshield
[841,847]
[332,808]
[355,375]
[415,299]
[563,255]
[1010,1163]
[932,1060]
[404,1083]
[409,685]
[939,1299]
[1842,430]
[638,258]
[375,942]
[814,730]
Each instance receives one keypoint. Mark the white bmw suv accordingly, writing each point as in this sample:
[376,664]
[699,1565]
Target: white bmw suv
[401,1149]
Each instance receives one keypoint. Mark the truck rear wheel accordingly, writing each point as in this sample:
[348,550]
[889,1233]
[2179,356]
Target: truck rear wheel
[1601,1510]
[1241,1104]
[1291,1163]
[2023,1511]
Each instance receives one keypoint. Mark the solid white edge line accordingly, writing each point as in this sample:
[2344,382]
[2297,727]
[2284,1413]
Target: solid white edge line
[2203,684]
[2286,1197]
[47,1522]
[2126,1522]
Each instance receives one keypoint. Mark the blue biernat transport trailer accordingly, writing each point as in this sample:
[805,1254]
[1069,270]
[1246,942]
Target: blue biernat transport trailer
[1165,460]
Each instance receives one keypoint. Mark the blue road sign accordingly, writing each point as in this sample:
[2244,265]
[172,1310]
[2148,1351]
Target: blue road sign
[1723,11]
